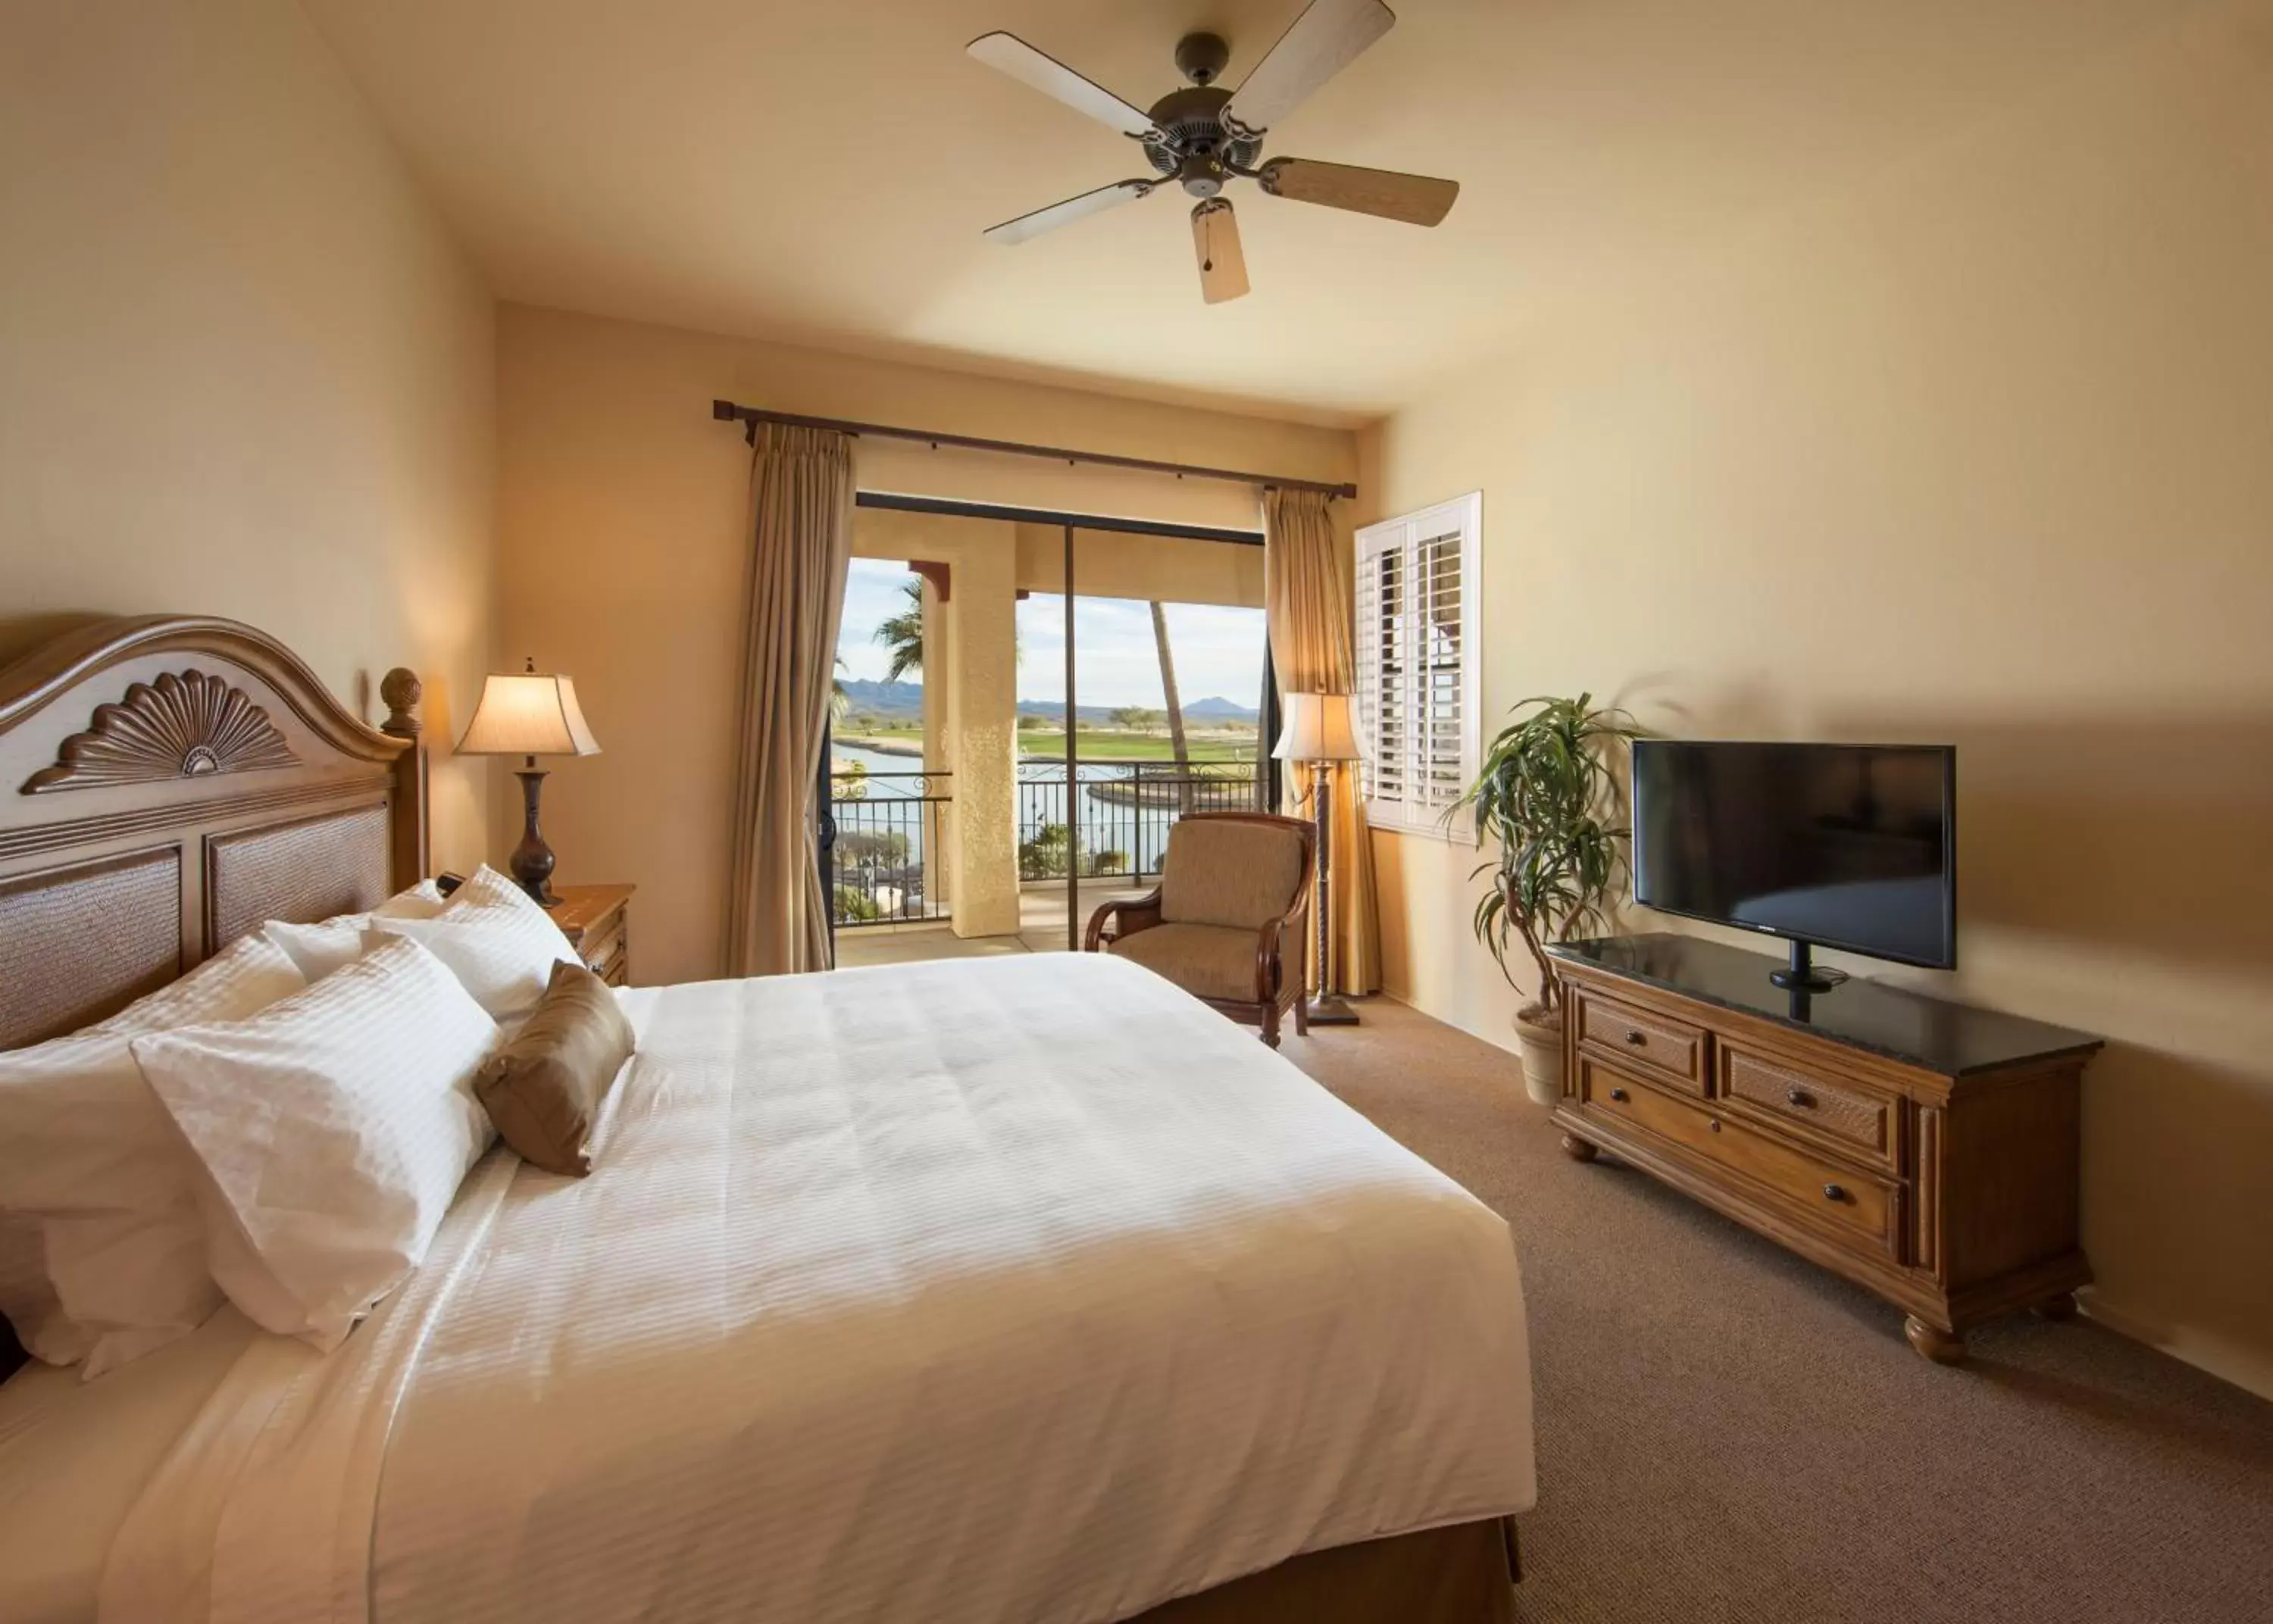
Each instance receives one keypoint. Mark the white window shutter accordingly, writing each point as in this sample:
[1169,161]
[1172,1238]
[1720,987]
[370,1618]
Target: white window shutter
[1417,685]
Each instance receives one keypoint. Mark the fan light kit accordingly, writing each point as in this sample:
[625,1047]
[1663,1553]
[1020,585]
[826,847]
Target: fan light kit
[1202,137]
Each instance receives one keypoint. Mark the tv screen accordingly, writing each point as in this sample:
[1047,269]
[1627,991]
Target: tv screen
[1848,846]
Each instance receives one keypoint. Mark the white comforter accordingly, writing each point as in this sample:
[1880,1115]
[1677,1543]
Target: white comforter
[1006,1290]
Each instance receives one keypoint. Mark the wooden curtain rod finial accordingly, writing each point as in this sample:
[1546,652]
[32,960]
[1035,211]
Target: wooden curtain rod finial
[399,690]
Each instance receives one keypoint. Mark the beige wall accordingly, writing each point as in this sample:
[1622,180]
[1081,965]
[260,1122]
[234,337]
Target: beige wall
[1980,451]
[621,537]
[1167,569]
[243,369]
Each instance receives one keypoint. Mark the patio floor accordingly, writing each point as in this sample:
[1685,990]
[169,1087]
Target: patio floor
[1041,929]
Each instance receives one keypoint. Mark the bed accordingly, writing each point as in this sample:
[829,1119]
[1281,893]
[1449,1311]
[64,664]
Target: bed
[990,1289]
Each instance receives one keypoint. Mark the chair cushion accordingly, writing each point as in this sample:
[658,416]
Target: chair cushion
[1222,870]
[1207,960]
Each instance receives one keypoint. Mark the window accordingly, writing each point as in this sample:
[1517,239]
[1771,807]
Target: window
[1417,694]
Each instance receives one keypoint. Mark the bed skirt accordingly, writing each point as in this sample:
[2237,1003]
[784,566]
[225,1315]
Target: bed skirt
[1461,1574]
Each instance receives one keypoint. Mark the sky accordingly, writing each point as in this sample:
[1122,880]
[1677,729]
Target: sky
[1219,651]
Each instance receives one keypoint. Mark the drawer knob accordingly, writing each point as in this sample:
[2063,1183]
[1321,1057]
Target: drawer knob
[1800,1097]
[1617,1094]
[1835,1192]
[1635,1038]
[1713,1125]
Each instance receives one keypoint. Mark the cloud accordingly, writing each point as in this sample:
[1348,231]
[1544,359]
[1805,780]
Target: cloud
[873,590]
[1218,649]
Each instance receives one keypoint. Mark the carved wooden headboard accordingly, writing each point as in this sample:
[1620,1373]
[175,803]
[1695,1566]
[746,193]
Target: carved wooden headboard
[168,783]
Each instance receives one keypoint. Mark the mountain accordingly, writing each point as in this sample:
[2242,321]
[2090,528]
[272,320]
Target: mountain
[1055,709]
[1216,708]
[886,698]
[1212,709]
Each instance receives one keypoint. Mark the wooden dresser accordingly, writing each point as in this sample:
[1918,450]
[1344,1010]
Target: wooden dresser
[597,921]
[1924,1149]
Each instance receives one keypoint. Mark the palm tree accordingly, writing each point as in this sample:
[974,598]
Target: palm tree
[902,634]
[1175,709]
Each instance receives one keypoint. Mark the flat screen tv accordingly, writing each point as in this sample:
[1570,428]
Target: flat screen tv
[1845,846]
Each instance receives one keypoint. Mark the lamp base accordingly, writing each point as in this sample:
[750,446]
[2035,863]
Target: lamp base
[1329,1009]
[532,860]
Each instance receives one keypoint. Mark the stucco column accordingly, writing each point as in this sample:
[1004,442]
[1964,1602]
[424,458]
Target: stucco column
[939,738]
[982,676]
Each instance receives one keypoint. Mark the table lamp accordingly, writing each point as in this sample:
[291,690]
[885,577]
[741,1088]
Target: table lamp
[529,714]
[1316,729]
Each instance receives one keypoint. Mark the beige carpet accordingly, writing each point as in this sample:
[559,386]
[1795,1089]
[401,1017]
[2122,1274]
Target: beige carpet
[1726,1432]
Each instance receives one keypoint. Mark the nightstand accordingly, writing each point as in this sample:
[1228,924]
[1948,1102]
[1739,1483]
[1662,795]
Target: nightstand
[597,921]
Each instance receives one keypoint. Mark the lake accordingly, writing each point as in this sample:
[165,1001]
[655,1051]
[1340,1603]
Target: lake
[1108,822]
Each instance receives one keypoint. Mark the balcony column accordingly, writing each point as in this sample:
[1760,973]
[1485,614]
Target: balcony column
[982,688]
[939,739]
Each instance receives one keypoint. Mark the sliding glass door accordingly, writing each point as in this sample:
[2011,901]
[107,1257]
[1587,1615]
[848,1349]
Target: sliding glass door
[1166,703]
[1139,696]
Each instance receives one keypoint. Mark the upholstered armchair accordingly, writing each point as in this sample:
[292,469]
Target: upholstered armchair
[1225,923]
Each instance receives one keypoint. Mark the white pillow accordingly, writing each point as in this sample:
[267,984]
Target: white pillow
[422,900]
[336,1126]
[498,941]
[102,1246]
[28,1300]
[326,946]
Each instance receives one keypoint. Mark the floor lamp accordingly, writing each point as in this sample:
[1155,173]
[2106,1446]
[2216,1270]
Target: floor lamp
[1316,729]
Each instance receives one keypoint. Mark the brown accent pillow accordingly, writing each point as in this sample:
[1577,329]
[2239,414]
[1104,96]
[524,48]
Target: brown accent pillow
[544,1088]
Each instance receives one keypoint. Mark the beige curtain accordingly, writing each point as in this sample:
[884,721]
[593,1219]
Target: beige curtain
[801,517]
[1308,611]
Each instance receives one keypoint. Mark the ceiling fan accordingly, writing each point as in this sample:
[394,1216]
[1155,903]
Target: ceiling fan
[1202,137]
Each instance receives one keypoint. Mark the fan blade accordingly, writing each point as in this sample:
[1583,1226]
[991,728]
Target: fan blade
[1011,55]
[1058,214]
[1416,200]
[1324,39]
[1215,240]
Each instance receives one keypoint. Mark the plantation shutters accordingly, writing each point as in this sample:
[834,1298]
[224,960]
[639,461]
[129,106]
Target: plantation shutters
[1417,683]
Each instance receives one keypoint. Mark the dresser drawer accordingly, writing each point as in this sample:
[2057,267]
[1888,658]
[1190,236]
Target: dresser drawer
[615,969]
[1828,1196]
[1841,1115]
[605,948]
[1672,1046]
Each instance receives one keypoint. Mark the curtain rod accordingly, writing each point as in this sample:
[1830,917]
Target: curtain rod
[750,416]
[948,507]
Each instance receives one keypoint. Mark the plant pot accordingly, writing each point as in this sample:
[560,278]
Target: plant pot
[1538,1034]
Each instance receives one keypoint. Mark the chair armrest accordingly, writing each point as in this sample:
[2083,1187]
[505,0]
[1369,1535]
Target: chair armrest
[1270,966]
[1138,914]
[1270,962]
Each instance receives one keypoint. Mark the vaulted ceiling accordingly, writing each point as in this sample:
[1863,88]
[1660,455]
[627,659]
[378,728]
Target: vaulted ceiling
[821,171]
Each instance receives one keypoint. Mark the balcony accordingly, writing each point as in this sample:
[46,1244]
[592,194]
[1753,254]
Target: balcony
[893,831]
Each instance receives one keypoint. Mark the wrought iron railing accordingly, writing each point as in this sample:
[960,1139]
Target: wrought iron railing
[889,858]
[1124,811]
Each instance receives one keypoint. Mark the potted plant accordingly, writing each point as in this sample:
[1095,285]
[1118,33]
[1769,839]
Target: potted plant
[1549,796]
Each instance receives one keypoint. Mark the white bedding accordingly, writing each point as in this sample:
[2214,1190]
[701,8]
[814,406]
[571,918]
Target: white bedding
[75,1456]
[991,1291]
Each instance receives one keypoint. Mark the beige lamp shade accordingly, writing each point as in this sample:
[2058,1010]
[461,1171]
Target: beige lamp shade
[528,713]
[1315,728]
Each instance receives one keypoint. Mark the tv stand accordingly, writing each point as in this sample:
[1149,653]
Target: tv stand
[1925,1151]
[1801,974]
